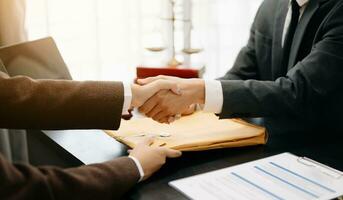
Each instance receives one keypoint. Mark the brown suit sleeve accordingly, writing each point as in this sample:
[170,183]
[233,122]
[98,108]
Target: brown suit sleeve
[99,181]
[55,104]
[58,104]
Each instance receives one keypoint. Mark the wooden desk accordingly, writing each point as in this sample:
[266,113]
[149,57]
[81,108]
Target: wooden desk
[92,146]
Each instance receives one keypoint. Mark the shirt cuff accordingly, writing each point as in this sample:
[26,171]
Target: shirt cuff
[127,98]
[139,166]
[213,96]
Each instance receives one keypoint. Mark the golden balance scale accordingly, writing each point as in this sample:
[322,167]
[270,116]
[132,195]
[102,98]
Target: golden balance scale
[174,63]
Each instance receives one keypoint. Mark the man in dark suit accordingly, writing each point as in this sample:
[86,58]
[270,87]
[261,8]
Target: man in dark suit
[60,104]
[290,72]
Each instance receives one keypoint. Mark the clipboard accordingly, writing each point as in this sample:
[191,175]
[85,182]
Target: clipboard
[281,177]
[329,171]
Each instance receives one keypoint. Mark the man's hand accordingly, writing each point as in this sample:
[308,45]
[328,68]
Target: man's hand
[141,93]
[152,158]
[165,105]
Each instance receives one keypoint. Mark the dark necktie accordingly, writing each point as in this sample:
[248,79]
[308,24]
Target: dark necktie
[290,34]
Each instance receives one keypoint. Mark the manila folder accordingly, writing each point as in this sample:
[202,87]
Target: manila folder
[197,132]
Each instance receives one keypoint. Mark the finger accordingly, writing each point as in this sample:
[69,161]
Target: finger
[153,112]
[147,141]
[171,119]
[164,120]
[145,81]
[190,110]
[161,115]
[129,151]
[171,153]
[148,105]
[148,80]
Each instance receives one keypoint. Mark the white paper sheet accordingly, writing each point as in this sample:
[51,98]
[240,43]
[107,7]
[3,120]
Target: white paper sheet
[279,177]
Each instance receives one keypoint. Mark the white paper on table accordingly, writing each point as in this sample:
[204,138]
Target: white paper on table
[284,176]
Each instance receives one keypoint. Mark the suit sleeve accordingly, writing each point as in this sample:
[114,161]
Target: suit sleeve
[305,86]
[58,104]
[99,181]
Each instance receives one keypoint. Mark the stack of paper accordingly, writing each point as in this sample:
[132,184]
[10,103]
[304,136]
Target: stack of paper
[200,131]
[280,177]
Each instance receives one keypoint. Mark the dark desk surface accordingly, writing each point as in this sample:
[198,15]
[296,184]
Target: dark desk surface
[92,146]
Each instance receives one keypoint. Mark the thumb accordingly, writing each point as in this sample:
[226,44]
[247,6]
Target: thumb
[171,153]
[146,80]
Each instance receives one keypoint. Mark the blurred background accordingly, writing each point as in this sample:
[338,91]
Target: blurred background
[108,39]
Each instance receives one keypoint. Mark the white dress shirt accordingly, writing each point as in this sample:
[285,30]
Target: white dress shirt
[126,107]
[213,89]
[127,98]
[139,167]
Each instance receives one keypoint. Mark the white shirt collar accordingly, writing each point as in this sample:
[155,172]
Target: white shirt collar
[302,2]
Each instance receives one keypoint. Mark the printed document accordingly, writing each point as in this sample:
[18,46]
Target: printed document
[280,177]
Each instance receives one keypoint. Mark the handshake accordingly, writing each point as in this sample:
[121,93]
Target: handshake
[164,98]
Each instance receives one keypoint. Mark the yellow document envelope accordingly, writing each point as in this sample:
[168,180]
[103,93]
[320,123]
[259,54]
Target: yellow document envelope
[197,132]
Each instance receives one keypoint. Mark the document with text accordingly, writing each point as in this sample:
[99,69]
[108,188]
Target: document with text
[280,177]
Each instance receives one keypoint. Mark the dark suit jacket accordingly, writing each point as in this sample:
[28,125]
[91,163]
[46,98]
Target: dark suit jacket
[60,104]
[305,96]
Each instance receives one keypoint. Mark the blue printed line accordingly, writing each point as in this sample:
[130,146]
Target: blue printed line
[257,186]
[300,176]
[284,181]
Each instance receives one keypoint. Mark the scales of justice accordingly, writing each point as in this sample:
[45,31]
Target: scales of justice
[188,32]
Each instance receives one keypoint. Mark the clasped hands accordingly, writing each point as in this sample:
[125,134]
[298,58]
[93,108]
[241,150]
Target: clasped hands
[162,98]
